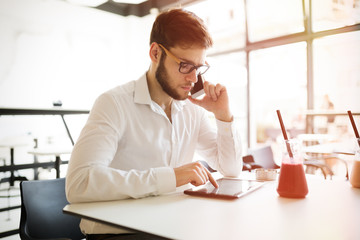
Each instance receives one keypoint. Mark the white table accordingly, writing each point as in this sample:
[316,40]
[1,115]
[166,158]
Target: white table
[331,210]
[57,152]
[29,112]
[11,143]
[45,111]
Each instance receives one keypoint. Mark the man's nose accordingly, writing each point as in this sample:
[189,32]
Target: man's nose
[192,76]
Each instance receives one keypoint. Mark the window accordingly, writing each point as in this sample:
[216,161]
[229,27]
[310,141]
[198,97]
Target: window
[337,70]
[336,80]
[226,24]
[269,19]
[227,27]
[278,81]
[287,65]
[329,14]
[230,71]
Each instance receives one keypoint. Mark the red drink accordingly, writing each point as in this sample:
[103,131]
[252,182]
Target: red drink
[292,181]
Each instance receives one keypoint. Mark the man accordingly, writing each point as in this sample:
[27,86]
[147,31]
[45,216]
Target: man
[141,137]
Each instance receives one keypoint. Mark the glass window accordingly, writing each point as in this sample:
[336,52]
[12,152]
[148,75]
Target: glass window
[269,19]
[230,71]
[278,81]
[329,14]
[226,24]
[336,78]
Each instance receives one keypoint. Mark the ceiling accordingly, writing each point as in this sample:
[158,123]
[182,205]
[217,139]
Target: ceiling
[141,9]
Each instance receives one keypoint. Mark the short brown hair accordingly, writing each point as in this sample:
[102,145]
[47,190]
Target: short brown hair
[180,27]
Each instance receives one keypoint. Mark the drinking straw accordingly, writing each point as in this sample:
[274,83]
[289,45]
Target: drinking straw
[354,126]
[284,134]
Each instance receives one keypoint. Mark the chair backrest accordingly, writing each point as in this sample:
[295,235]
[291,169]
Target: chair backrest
[42,217]
[249,163]
[264,157]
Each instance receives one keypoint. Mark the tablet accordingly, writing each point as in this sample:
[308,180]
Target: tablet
[229,188]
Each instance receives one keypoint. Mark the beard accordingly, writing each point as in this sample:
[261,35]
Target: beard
[162,77]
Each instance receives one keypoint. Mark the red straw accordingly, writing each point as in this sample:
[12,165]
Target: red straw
[354,126]
[284,134]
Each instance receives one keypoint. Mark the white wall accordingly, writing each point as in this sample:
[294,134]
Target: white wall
[52,50]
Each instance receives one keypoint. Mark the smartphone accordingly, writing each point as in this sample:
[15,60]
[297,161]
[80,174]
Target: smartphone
[198,88]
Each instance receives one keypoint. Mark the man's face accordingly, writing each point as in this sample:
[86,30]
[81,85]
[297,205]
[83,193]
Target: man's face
[178,85]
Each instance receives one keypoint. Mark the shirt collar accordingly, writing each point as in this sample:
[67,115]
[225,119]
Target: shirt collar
[178,105]
[142,94]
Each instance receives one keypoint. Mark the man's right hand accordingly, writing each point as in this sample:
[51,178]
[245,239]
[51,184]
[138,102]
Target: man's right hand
[194,173]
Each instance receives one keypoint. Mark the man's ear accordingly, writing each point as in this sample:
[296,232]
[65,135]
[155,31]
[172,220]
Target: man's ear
[155,52]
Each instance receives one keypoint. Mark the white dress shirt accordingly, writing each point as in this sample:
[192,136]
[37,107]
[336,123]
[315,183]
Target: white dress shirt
[128,148]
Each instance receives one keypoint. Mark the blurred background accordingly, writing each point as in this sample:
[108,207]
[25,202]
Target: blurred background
[299,56]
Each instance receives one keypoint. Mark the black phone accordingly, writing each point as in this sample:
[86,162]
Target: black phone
[198,88]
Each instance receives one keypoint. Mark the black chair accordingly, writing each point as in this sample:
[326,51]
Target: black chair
[249,163]
[264,157]
[42,217]
[320,163]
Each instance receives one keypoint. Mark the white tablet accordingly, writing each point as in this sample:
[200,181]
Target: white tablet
[229,188]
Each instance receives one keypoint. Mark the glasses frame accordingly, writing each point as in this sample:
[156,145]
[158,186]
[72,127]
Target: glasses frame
[181,63]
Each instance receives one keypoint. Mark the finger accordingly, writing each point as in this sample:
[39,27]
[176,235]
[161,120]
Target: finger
[205,174]
[206,87]
[212,92]
[212,179]
[202,172]
[218,89]
[197,180]
[197,176]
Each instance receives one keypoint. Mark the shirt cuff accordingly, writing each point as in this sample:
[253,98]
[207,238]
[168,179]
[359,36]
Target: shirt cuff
[225,128]
[165,178]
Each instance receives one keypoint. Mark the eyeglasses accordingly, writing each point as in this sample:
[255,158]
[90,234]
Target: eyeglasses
[185,67]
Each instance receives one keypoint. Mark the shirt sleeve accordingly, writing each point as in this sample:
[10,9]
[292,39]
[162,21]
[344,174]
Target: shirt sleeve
[90,176]
[221,146]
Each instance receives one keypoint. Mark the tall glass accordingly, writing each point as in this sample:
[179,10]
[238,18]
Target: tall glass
[355,172]
[292,181]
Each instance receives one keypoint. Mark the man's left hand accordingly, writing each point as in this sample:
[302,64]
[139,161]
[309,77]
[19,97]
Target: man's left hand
[216,100]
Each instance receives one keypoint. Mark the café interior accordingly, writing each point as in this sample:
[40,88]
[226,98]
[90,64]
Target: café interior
[301,57]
